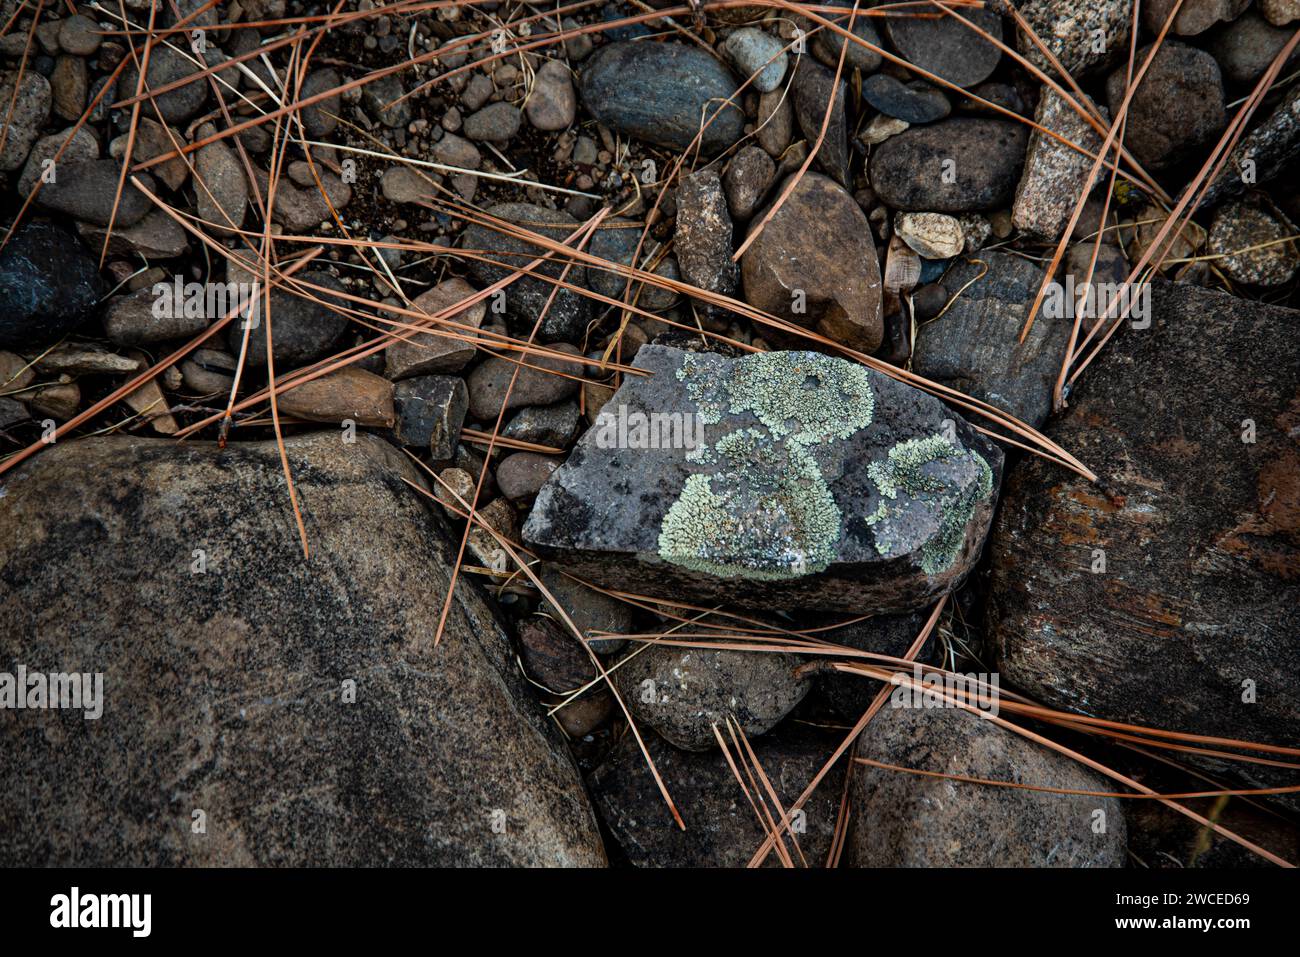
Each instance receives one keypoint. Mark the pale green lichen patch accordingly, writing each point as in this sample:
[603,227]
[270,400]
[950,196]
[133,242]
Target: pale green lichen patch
[766,511]
[914,472]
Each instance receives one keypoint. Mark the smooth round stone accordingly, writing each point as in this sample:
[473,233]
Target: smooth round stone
[758,54]
[958,165]
[914,102]
[661,92]
[947,47]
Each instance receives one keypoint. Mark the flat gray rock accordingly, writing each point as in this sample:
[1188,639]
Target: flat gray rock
[785,479]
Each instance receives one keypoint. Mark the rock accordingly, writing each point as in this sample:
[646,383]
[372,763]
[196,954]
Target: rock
[660,93]
[321,118]
[430,411]
[775,124]
[221,187]
[1263,153]
[153,139]
[703,237]
[958,165]
[498,514]
[1054,173]
[167,66]
[552,425]
[495,123]
[812,88]
[915,102]
[208,372]
[881,128]
[1237,227]
[157,236]
[809,493]
[974,347]
[48,283]
[248,668]
[682,692]
[826,44]
[1245,48]
[12,413]
[137,319]
[754,53]
[819,243]
[909,820]
[303,210]
[86,191]
[456,486]
[590,611]
[1178,108]
[402,185]
[747,180]
[553,658]
[26,110]
[1070,31]
[16,373]
[1280,12]
[76,359]
[60,401]
[552,103]
[722,828]
[848,695]
[1194,16]
[301,329]
[382,99]
[68,85]
[348,394]
[82,146]
[1196,604]
[932,235]
[526,297]
[615,241]
[945,46]
[519,476]
[533,386]
[79,35]
[419,353]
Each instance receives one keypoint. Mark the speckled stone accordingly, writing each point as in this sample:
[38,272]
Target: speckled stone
[703,236]
[1178,108]
[1055,174]
[226,690]
[1239,226]
[1068,29]
[802,486]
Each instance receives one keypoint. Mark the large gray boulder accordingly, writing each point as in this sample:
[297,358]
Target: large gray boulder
[177,573]
[780,479]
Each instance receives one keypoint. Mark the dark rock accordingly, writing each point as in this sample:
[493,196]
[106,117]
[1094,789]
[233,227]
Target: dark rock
[552,425]
[958,165]
[79,35]
[248,666]
[132,320]
[974,347]
[220,186]
[321,118]
[48,283]
[1194,16]
[1262,154]
[722,828]
[1245,48]
[552,103]
[419,353]
[157,236]
[86,191]
[533,386]
[526,297]
[430,410]
[848,695]
[68,86]
[591,611]
[775,122]
[747,180]
[812,88]
[910,820]
[683,692]
[814,265]
[1178,108]
[826,44]
[914,102]
[661,92]
[167,66]
[495,123]
[945,46]
[703,237]
[810,482]
[381,98]
[81,146]
[301,328]
[1198,531]
[553,657]
[1271,261]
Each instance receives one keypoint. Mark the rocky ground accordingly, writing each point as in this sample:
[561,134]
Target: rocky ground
[632,414]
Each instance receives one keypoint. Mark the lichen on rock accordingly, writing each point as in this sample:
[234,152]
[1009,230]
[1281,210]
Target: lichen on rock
[929,470]
[766,512]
